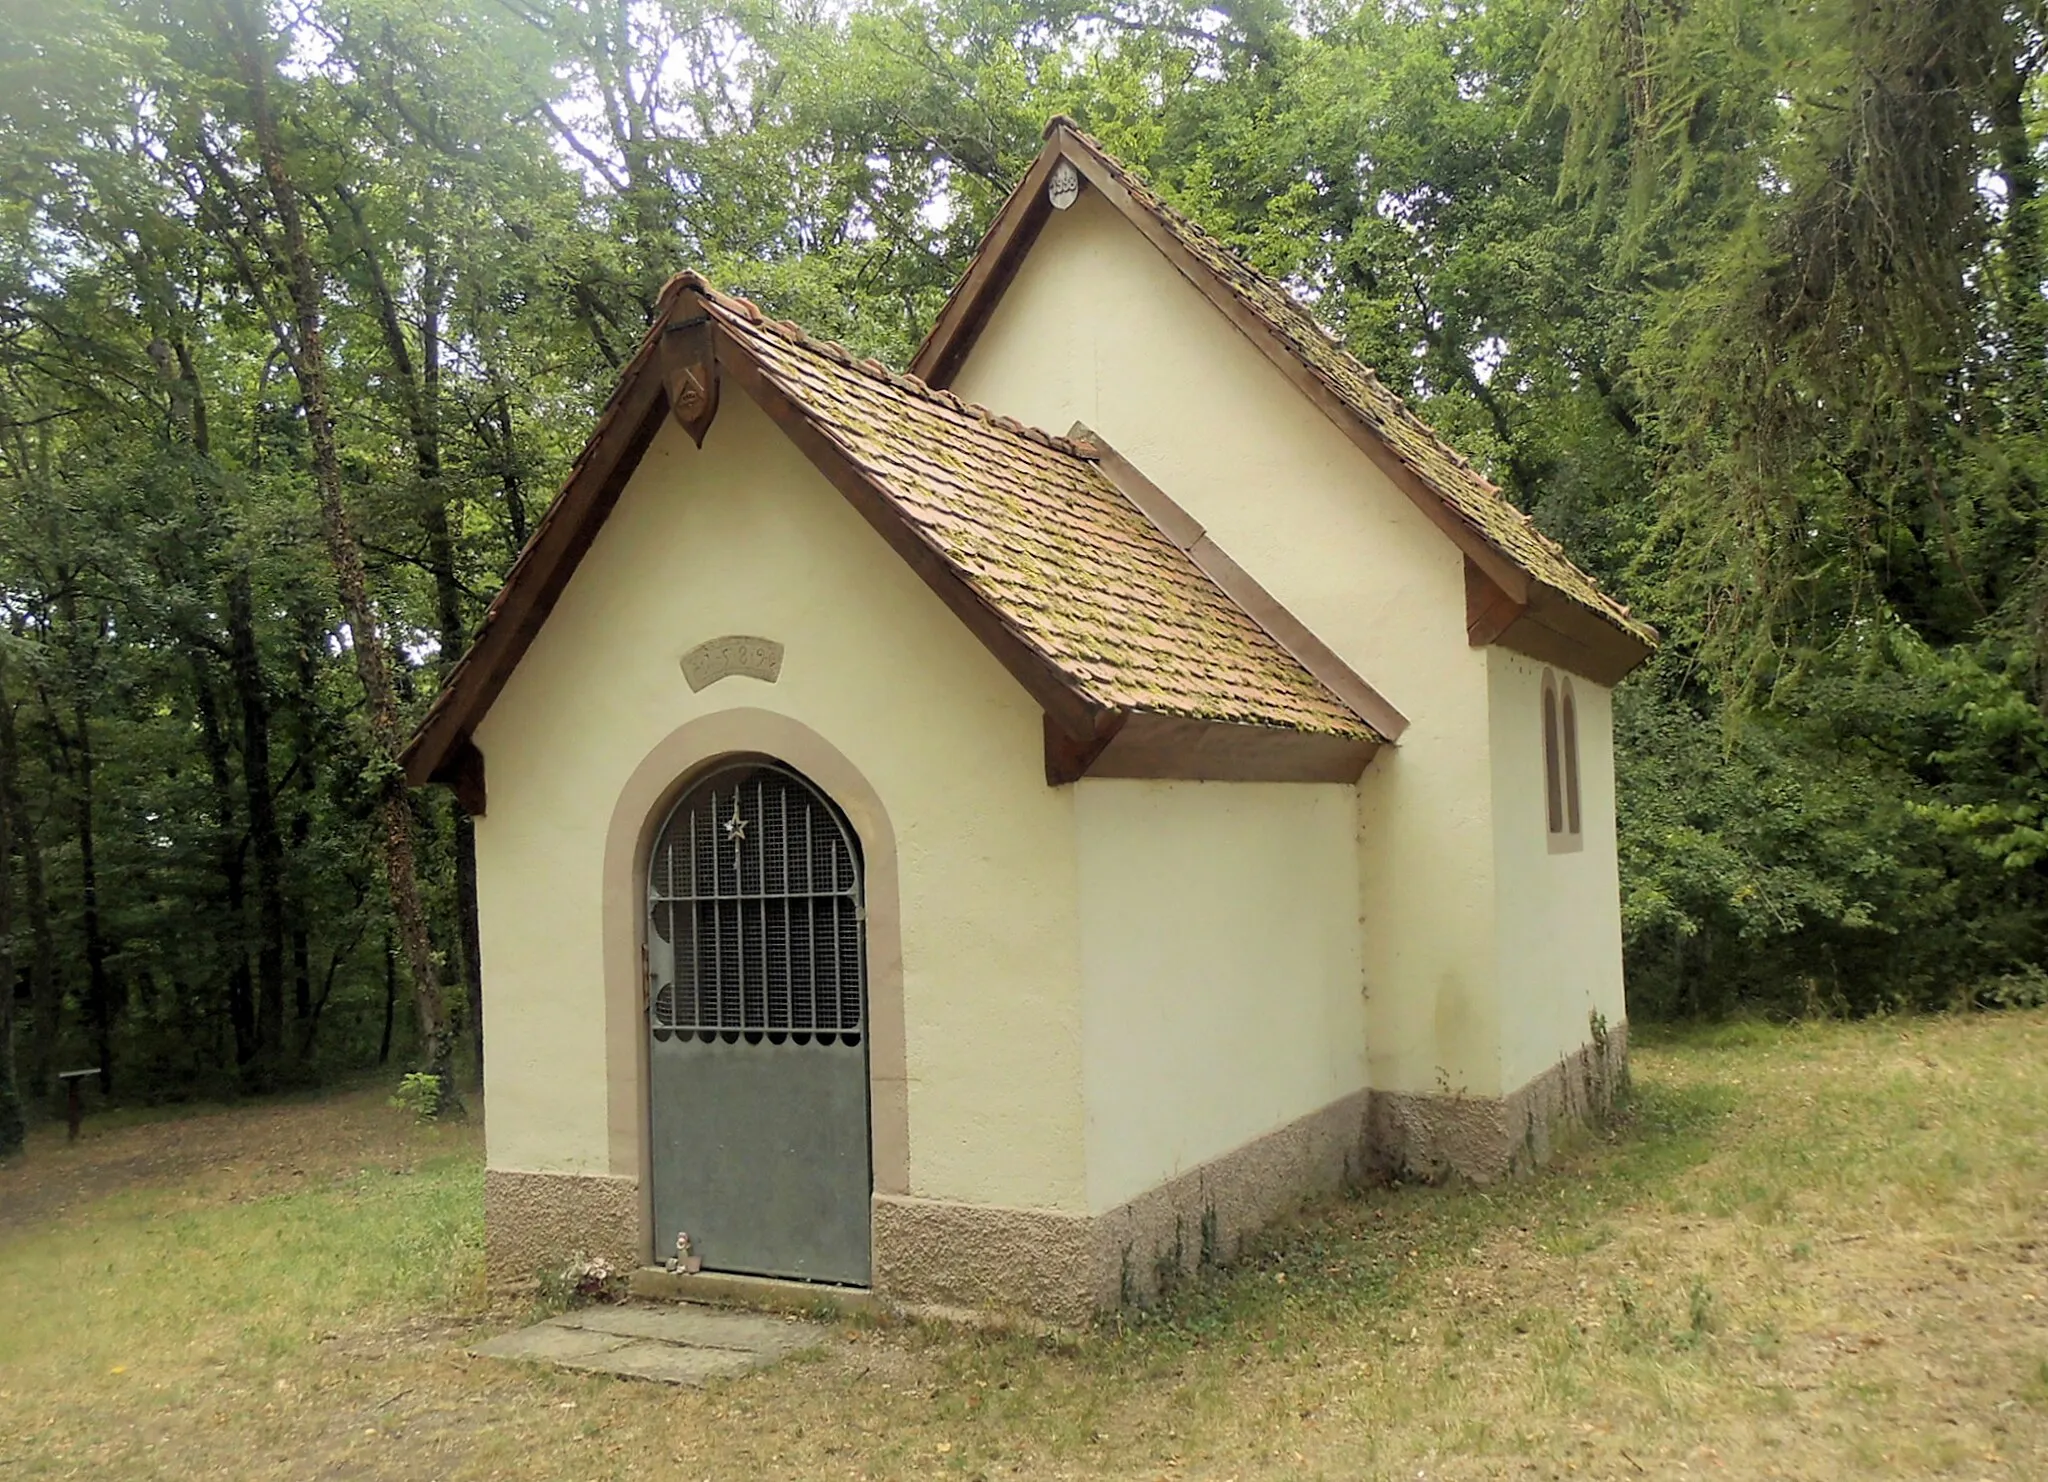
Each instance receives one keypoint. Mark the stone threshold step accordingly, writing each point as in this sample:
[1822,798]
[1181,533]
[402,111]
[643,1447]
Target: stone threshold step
[673,1342]
[761,1293]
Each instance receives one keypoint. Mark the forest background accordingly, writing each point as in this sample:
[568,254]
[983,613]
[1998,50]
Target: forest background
[305,308]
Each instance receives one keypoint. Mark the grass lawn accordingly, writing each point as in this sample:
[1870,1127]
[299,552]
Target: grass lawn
[1818,1252]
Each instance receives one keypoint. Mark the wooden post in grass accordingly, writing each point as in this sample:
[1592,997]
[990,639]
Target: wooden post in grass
[74,1104]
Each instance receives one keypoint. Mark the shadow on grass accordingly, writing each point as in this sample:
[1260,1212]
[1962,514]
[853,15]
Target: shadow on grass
[1352,1272]
[1364,1256]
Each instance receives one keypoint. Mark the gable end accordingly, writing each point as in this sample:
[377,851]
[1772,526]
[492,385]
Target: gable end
[1529,573]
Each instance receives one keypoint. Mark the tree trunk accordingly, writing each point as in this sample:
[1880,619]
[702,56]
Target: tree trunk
[454,638]
[340,955]
[13,1129]
[258,1016]
[390,997]
[45,998]
[302,987]
[307,352]
[2023,259]
[266,847]
[233,871]
[305,762]
[99,985]
[419,393]
[469,934]
[509,480]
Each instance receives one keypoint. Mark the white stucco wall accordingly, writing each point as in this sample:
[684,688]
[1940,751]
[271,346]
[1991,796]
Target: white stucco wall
[745,536]
[1220,969]
[1559,913]
[1097,327]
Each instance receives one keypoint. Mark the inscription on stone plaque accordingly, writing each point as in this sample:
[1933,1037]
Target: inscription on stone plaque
[735,653]
[1065,186]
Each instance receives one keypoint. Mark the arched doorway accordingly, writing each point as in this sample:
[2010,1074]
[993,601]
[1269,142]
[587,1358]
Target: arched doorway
[757,1051]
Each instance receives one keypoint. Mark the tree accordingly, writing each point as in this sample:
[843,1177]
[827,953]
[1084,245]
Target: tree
[13,1129]
[277,262]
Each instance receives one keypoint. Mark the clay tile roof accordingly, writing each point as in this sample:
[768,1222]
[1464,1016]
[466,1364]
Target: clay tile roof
[1039,532]
[1468,494]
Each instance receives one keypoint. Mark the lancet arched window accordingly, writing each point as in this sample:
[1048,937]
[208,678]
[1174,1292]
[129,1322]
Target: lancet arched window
[1561,762]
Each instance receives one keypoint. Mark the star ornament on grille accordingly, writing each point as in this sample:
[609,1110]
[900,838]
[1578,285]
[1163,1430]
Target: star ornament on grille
[736,826]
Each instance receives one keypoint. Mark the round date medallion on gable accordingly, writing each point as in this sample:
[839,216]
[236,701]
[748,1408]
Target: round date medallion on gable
[1064,187]
[733,653]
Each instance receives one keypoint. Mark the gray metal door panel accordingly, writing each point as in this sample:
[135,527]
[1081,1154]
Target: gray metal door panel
[757,1022]
[761,1154]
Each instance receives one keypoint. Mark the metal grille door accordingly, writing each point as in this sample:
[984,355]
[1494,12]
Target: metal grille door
[757,1015]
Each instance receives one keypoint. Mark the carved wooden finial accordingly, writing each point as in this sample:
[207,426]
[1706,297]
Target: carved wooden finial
[689,368]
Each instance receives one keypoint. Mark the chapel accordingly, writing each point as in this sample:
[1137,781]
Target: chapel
[997,834]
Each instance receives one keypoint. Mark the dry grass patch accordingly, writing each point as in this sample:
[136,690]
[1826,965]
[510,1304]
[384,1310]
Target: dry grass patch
[1818,1252]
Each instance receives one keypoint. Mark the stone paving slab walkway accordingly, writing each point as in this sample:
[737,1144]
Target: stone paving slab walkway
[674,1343]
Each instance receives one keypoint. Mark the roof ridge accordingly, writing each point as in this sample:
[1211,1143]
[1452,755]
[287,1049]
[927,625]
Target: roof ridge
[795,334]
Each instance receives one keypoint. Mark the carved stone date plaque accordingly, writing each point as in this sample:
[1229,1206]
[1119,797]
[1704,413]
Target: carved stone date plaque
[734,653]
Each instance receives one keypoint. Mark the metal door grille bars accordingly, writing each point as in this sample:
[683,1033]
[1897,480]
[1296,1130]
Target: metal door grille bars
[754,901]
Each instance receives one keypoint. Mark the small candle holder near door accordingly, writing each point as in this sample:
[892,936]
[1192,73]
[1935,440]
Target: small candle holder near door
[683,1262]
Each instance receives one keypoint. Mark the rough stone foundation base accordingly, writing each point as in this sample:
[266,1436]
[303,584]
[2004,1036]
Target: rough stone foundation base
[536,1222]
[1064,1267]
[933,1252]
[1486,1138]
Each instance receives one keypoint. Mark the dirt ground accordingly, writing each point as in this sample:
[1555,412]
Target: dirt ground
[1818,1252]
[234,1154]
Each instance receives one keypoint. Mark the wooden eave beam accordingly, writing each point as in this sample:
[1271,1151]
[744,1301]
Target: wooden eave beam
[1549,627]
[1171,748]
[689,372]
[1177,748]
[1552,628]
[1556,630]
[1489,611]
[463,771]
[1068,758]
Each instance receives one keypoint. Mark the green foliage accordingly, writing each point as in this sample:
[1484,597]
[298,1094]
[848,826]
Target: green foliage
[421,1093]
[1743,302]
[1836,801]
[1811,858]
[2025,989]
